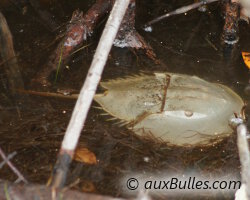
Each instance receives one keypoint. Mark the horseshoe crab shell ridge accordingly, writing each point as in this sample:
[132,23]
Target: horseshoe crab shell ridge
[179,109]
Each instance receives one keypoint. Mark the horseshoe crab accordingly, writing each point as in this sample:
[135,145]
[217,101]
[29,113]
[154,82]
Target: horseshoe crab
[180,109]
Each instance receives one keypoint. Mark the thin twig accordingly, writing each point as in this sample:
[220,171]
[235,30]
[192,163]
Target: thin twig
[12,167]
[181,10]
[49,94]
[9,157]
[87,93]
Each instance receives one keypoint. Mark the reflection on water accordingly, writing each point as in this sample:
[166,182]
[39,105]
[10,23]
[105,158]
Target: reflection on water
[188,44]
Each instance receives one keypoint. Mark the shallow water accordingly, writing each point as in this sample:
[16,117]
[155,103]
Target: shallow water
[188,44]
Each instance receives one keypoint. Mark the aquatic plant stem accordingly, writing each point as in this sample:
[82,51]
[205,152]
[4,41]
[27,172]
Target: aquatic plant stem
[87,93]
[59,65]
[244,155]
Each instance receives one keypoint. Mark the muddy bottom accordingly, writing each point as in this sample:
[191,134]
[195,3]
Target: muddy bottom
[34,126]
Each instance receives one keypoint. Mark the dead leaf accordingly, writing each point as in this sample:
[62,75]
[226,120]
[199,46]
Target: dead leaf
[85,156]
[246,58]
[88,186]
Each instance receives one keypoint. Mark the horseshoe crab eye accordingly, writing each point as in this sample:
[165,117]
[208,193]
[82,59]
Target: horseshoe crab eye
[188,113]
[184,114]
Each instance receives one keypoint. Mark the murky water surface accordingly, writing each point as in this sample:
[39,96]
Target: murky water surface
[187,44]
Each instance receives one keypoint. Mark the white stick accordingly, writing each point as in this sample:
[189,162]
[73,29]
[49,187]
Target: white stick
[94,75]
[244,155]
